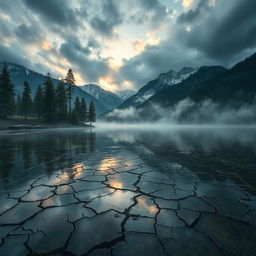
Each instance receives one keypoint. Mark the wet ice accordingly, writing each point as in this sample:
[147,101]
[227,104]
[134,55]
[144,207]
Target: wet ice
[160,194]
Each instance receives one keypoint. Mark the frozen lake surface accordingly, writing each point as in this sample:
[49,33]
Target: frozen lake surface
[178,191]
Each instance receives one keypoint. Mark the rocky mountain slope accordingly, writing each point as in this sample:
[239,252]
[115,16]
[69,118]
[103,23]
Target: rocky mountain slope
[165,80]
[108,99]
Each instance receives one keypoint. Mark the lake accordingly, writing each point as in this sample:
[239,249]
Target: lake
[128,191]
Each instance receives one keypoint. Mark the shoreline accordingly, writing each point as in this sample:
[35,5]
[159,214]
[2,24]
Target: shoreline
[18,127]
[31,130]
[18,123]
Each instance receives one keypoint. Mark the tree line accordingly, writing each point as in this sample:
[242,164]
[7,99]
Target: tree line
[49,104]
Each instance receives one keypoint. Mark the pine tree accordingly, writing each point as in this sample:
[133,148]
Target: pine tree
[74,118]
[92,113]
[78,108]
[61,102]
[71,82]
[18,105]
[49,111]
[7,100]
[39,102]
[26,101]
[83,110]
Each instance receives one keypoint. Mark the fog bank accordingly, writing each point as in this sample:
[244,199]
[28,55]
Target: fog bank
[187,112]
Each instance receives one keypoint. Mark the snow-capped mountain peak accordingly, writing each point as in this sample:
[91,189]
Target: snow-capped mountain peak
[172,77]
[165,80]
[125,94]
[108,99]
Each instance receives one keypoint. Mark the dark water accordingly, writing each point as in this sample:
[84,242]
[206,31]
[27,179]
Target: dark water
[176,191]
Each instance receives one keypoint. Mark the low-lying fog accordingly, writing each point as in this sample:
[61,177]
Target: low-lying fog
[189,111]
[184,136]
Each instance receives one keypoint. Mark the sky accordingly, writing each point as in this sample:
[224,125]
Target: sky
[123,44]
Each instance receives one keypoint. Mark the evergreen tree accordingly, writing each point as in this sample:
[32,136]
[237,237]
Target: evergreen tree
[49,111]
[7,101]
[61,102]
[78,108]
[39,102]
[18,105]
[26,101]
[71,82]
[74,118]
[92,113]
[83,110]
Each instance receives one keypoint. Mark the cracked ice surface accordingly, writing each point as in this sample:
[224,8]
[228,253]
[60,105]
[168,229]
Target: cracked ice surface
[70,193]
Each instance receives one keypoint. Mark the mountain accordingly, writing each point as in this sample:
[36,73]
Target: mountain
[169,96]
[108,99]
[125,94]
[235,86]
[163,81]
[19,74]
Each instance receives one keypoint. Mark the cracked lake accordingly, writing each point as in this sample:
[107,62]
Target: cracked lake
[178,191]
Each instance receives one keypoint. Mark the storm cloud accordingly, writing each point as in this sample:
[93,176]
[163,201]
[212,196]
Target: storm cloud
[108,18]
[97,38]
[226,30]
[57,11]
[78,55]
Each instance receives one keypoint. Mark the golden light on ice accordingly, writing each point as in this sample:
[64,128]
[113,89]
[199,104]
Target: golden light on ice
[116,184]
[142,204]
[107,164]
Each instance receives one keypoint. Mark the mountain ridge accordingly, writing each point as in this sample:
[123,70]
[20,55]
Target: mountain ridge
[108,99]
[164,80]
[232,89]
[19,74]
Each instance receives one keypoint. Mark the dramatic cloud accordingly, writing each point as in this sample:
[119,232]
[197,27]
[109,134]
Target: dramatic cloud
[108,18]
[124,44]
[29,34]
[222,30]
[57,11]
[193,14]
[11,55]
[78,55]
[149,11]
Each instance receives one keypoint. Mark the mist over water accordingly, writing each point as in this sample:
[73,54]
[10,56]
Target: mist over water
[188,111]
[163,126]
[184,136]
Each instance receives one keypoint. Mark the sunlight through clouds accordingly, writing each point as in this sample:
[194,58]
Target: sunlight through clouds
[188,4]
[46,45]
[104,43]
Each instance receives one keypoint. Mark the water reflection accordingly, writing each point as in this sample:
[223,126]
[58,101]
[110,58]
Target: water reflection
[7,157]
[222,153]
[116,184]
[175,187]
[23,156]
[107,164]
